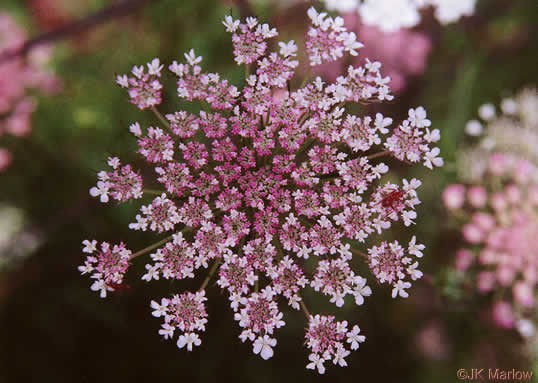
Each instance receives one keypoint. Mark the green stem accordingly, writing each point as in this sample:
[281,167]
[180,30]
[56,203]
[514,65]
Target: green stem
[305,147]
[211,272]
[357,252]
[205,106]
[305,309]
[151,247]
[380,154]
[305,80]
[154,192]
[302,119]
[160,117]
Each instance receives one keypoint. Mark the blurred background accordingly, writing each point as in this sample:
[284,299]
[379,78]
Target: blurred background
[54,329]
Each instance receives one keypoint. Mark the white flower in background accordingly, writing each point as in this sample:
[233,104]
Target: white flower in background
[341,5]
[474,128]
[17,241]
[487,112]
[450,11]
[512,129]
[391,15]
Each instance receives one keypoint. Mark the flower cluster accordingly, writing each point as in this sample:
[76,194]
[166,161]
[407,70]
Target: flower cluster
[272,189]
[259,315]
[328,39]
[144,87]
[388,263]
[391,15]
[514,132]
[500,206]
[107,265]
[19,77]
[327,340]
[185,312]
[17,239]
[121,184]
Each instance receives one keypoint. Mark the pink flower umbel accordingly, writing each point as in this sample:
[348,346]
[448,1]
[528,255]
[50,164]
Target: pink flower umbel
[107,265]
[185,312]
[327,340]
[272,189]
[500,208]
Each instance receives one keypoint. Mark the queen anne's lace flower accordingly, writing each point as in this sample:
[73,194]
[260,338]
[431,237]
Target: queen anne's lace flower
[272,188]
[502,207]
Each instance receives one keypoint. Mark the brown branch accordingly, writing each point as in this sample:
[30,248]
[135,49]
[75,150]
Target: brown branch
[379,154]
[305,309]
[209,275]
[146,250]
[121,8]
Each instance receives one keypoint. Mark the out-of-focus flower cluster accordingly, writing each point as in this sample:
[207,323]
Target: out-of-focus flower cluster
[270,189]
[499,206]
[17,241]
[391,15]
[18,78]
